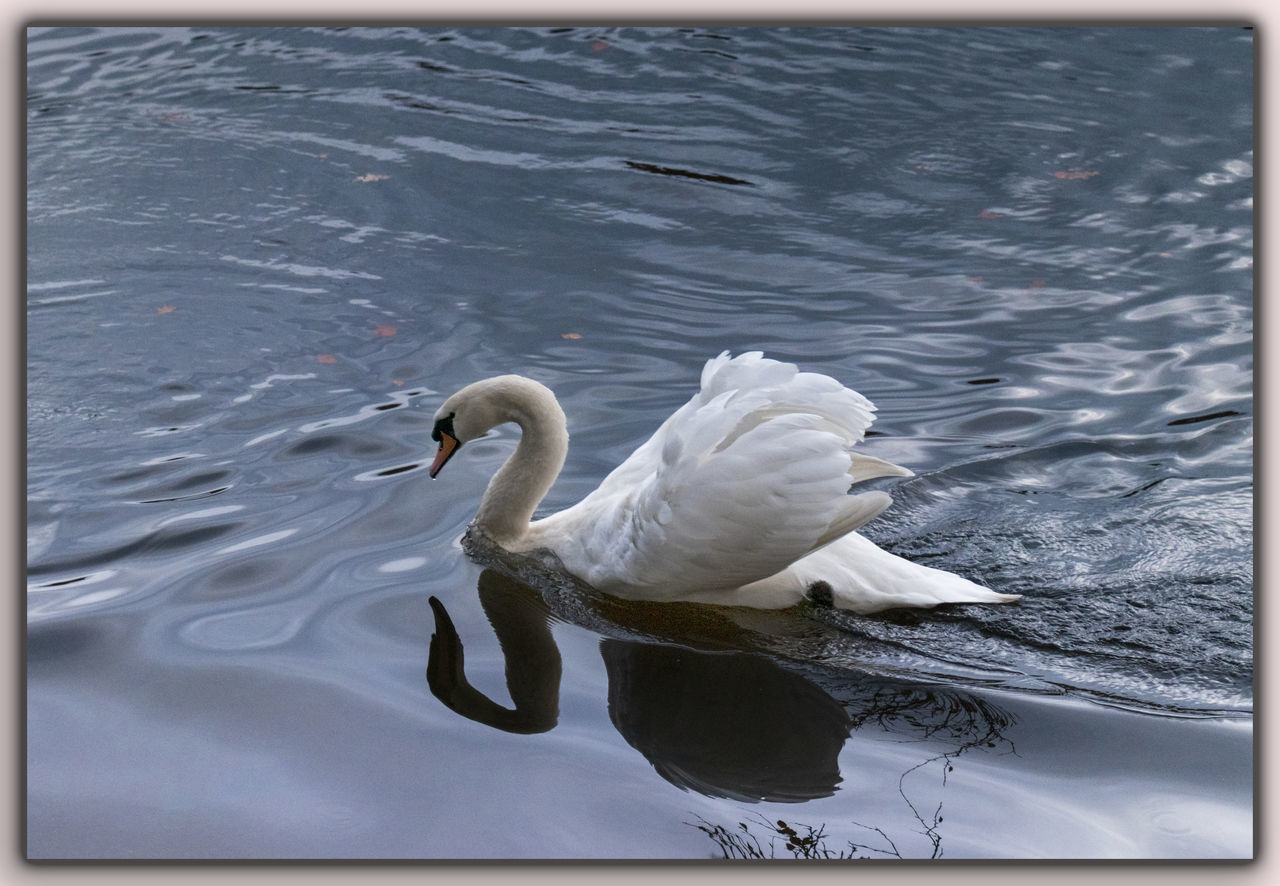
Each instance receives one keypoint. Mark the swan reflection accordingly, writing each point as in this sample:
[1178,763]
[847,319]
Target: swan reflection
[519,618]
[725,724]
[691,690]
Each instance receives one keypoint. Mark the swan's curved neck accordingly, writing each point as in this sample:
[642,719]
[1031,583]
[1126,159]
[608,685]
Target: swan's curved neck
[526,477]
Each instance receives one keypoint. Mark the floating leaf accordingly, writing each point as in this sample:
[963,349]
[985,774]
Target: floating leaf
[397,382]
[987,213]
[326,358]
[570,335]
[166,309]
[372,177]
[599,46]
[1072,174]
[386,330]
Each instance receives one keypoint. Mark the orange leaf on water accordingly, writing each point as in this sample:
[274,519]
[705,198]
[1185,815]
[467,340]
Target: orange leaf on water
[326,358]
[167,309]
[599,46]
[570,335]
[987,213]
[397,382]
[384,329]
[1074,174]
[372,177]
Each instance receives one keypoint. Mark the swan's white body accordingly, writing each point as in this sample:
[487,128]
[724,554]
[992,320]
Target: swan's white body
[740,498]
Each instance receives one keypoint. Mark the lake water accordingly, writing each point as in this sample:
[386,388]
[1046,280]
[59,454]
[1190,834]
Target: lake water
[258,259]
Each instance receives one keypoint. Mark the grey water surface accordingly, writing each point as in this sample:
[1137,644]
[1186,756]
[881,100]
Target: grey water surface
[259,258]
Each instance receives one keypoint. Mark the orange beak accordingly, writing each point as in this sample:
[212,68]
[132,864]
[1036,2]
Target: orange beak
[448,446]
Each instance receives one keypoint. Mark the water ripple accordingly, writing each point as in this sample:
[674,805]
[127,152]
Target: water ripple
[259,258]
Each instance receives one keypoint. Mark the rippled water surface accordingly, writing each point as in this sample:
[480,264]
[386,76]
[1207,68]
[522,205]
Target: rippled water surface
[258,259]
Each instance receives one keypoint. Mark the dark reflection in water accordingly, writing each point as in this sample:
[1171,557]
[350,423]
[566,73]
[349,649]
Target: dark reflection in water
[725,722]
[519,618]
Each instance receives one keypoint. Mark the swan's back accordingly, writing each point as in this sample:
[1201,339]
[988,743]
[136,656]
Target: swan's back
[743,480]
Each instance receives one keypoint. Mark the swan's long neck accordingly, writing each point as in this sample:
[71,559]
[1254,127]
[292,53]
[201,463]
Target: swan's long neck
[526,477]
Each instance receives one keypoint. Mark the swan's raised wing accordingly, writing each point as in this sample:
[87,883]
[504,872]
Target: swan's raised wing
[747,477]
[757,381]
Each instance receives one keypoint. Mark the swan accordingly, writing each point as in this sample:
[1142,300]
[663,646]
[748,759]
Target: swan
[740,498]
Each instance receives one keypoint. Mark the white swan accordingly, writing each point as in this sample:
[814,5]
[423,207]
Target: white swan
[740,498]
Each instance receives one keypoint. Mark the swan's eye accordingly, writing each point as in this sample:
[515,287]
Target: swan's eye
[444,426]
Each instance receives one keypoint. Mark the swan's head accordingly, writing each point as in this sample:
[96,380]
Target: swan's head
[446,435]
[483,405]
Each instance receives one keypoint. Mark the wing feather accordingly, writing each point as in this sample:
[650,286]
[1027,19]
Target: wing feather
[747,477]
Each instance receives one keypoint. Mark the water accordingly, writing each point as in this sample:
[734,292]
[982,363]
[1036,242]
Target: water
[258,259]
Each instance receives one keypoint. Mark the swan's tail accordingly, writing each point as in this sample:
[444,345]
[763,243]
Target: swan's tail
[866,578]
[853,573]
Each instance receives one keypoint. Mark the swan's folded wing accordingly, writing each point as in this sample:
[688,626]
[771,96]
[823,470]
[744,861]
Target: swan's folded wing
[747,477]
[716,516]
